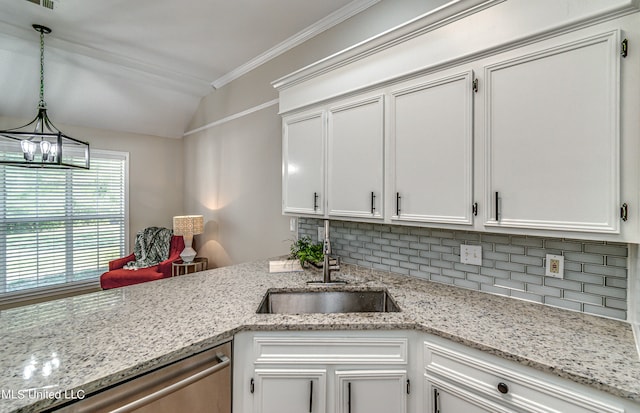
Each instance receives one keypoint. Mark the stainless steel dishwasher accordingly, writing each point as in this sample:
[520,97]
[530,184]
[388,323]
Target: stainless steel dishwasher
[200,383]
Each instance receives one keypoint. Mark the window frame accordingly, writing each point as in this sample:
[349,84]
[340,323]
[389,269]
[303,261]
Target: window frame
[66,288]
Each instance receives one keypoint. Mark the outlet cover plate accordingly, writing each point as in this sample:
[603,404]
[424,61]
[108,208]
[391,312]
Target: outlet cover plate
[555,266]
[471,254]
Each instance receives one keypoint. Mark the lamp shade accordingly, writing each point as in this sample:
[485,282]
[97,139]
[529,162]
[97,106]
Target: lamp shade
[188,225]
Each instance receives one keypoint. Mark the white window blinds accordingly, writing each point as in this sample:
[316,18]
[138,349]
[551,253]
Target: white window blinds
[61,227]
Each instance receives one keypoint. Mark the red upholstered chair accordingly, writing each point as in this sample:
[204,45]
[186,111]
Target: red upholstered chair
[119,277]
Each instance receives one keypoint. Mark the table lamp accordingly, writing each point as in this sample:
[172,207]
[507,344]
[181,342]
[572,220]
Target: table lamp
[188,226]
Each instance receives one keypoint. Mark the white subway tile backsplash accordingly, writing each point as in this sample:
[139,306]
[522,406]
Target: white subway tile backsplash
[595,278]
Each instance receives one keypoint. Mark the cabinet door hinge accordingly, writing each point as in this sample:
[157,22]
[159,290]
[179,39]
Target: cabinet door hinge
[408,386]
[624,212]
[624,48]
[252,387]
[475,85]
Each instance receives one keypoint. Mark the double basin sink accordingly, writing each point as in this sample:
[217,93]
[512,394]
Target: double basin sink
[326,302]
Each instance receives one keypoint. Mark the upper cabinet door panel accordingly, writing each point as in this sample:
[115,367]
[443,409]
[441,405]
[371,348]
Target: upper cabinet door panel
[356,158]
[552,138]
[303,163]
[432,143]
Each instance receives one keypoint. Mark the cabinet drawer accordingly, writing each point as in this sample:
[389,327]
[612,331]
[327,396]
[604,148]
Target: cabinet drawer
[508,383]
[329,350]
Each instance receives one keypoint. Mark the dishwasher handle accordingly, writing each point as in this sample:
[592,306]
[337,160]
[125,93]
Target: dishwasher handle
[150,398]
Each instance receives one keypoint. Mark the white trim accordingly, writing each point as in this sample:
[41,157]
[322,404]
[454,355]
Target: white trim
[315,29]
[636,333]
[233,117]
[432,20]
[633,291]
[441,16]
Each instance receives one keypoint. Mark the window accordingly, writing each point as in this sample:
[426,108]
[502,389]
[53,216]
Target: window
[60,228]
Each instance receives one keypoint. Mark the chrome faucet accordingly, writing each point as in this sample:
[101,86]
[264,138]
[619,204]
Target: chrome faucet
[327,268]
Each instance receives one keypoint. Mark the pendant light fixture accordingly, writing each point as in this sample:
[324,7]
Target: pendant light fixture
[39,143]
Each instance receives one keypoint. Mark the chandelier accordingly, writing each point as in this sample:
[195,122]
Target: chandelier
[39,143]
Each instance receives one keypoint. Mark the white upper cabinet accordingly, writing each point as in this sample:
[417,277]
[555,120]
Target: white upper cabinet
[546,142]
[431,145]
[303,160]
[552,138]
[356,158]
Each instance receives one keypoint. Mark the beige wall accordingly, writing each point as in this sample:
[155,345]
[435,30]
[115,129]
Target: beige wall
[233,178]
[155,172]
[233,171]
[254,88]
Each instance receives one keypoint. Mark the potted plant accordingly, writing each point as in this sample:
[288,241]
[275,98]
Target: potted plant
[307,252]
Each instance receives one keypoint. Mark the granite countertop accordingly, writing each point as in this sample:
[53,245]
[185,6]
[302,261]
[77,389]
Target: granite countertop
[87,342]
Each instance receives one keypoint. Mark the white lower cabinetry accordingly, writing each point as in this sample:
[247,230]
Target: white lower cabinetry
[289,390]
[318,372]
[461,379]
[371,391]
[396,372]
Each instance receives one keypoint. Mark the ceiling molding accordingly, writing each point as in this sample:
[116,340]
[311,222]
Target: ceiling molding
[335,18]
[432,20]
[178,80]
[233,117]
[446,14]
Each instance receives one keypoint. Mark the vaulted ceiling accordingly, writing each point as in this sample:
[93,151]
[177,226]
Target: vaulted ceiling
[142,66]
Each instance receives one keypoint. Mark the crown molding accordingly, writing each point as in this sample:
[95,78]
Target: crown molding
[233,117]
[441,16]
[430,21]
[335,18]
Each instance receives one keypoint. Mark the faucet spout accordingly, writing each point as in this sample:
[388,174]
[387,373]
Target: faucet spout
[327,266]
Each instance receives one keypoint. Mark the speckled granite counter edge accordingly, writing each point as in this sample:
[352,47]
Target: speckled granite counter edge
[253,324]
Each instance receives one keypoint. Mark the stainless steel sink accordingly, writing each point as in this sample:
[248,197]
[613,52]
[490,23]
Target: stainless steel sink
[342,301]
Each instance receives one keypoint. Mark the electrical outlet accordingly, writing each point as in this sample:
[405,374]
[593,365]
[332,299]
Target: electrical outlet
[555,266]
[471,254]
[293,225]
[320,233]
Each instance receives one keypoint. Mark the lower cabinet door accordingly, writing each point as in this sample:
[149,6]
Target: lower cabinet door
[451,399]
[290,391]
[367,391]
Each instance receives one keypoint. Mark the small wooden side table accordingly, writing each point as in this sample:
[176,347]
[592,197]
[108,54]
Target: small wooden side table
[182,268]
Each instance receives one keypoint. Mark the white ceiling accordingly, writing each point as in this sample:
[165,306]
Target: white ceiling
[142,66]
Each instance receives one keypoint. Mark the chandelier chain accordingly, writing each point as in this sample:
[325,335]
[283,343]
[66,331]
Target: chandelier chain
[42,104]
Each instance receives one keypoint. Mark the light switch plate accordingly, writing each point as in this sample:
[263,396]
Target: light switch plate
[555,266]
[293,225]
[471,254]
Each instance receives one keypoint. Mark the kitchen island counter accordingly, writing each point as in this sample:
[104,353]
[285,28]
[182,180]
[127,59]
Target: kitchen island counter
[79,345]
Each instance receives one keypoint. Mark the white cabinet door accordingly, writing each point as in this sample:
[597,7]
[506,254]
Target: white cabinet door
[456,401]
[356,158]
[371,391]
[552,138]
[303,160]
[290,391]
[432,143]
